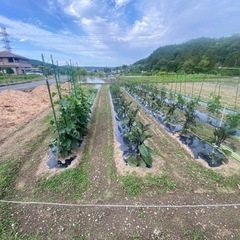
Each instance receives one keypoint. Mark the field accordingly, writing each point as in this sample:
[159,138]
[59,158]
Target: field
[199,86]
[100,197]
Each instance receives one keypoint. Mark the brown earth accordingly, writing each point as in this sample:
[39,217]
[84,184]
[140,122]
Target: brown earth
[151,221]
[18,108]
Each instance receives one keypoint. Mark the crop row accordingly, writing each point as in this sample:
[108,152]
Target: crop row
[132,133]
[178,113]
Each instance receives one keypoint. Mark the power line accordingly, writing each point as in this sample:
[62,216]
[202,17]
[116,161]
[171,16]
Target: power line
[5,39]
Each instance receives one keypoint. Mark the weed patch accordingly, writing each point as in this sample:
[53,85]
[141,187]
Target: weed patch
[160,184]
[8,174]
[201,173]
[70,182]
[133,184]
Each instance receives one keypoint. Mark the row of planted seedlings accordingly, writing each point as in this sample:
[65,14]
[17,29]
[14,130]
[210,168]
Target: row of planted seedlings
[71,114]
[178,114]
[130,131]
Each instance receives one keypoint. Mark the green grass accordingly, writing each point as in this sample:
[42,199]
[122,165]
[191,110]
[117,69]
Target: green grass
[195,234]
[172,77]
[160,183]
[134,185]
[201,173]
[9,79]
[9,226]
[70,182]
[8,175]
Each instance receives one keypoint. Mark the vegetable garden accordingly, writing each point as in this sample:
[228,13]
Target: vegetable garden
[179,113]
[152,123]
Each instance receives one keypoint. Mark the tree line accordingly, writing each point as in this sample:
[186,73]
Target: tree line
[201,55]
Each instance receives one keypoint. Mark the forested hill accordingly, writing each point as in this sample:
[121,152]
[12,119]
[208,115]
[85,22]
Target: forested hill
[198,55]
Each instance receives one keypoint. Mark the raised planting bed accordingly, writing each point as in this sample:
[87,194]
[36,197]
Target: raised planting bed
[70,124]
[159,103]
[131,133]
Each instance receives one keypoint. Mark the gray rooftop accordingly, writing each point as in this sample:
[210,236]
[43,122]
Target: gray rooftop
[9,54]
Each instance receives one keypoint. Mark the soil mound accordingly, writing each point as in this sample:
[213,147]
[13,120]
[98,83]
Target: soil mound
[18,107]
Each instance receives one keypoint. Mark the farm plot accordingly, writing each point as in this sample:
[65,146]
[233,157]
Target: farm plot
[178,114]
[230,94]
[121,205]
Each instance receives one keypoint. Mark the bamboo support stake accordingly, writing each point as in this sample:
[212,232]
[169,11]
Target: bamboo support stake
[223,113]
[192,89]
[236,98]
[200,92]
[56,80]
[219,87]
[52,106]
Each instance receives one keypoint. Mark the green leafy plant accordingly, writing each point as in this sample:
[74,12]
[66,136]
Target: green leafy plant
[214,104]
[137,136]
[233,120]
[72,120]
[171,116]
[181,101]
[130,117]
[227,129]
[221,134]
[161,97]
[190,116]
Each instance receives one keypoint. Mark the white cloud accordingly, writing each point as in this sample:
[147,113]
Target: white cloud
[107,30]
[122,2]
[77,8]
[106,23]
[67,45]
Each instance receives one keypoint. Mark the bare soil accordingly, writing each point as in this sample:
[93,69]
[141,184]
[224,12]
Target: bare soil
[106,168]
[18,108]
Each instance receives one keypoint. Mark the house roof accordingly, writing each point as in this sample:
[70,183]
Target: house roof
[9,54]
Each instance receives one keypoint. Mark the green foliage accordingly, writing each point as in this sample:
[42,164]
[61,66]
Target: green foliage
[221,134]
[160,183]
[227,129]
[9,70]
[190,116]
[73,181]
[196,234]
[8,175]
[137,136]
[73,117]
[134,130]
[233,120]
[198,55]
[214,104]
[133,184]
[130,117]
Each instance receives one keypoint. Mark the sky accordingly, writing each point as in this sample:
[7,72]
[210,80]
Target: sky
[111,32]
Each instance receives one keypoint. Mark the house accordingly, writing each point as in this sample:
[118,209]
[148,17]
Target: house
[18,64]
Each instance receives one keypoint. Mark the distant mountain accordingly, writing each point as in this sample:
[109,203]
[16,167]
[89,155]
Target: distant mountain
[198,55]
[36,63]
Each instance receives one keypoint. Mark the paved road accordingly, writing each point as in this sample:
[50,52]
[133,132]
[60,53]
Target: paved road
[30,85]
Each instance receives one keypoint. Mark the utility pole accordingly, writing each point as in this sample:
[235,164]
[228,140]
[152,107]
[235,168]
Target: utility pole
[5,39]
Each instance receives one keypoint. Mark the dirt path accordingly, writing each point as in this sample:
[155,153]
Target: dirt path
[102,173]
